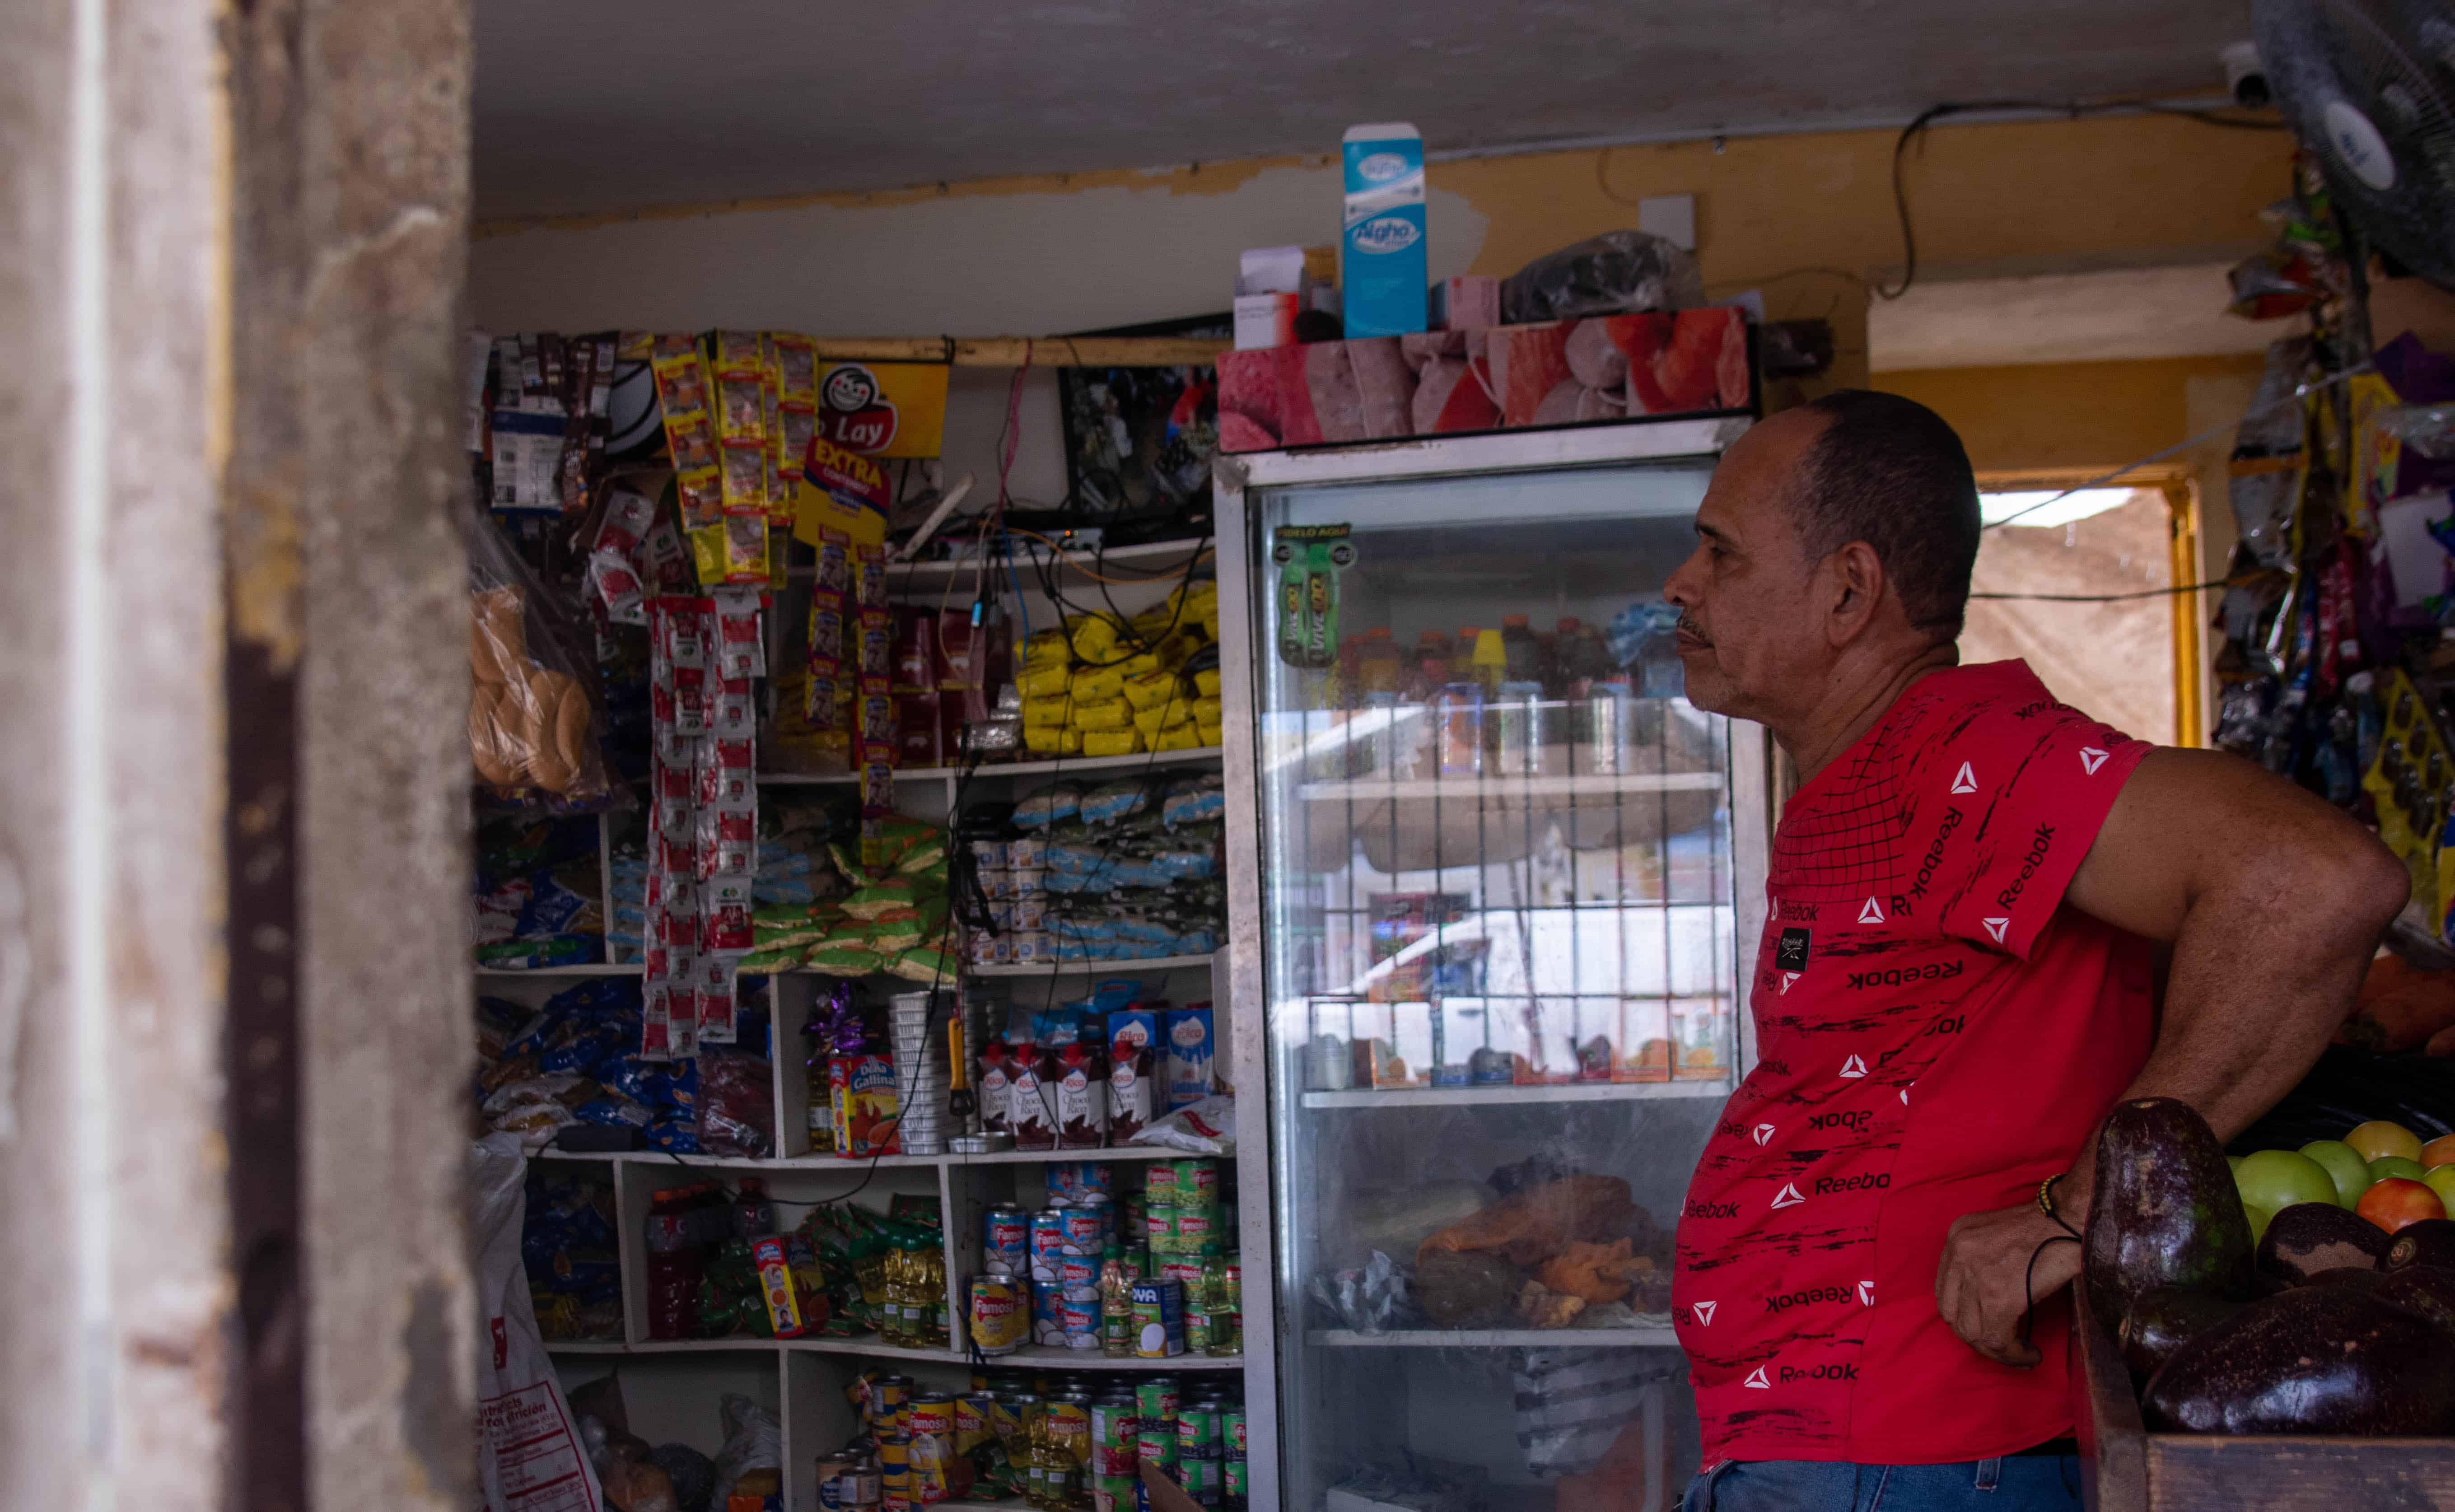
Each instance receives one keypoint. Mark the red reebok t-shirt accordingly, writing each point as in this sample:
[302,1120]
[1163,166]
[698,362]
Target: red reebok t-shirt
[1934,1037]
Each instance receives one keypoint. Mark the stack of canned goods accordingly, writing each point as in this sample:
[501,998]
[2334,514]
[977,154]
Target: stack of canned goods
[849,1481]
[919,1060]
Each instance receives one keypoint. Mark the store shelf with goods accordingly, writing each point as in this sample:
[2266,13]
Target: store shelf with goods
[587,969]
[1491,790]
[834,1163]
[1497,1339]
[1156,560]
[1045,1357]
[1066,766]
[1504,1095]
[1094,968]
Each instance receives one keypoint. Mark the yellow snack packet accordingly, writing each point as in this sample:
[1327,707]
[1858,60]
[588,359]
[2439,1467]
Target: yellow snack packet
[1112,742]
[1114,714]
[1212,735]
[1206,682]
[739,351]
[1153,690]
[1206,710]
[1053,740]
[1094,637]
[1182,738]
[1099,684]
[1048,647]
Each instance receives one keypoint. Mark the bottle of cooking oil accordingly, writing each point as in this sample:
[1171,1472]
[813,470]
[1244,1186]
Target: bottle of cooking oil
[935,1264]
[894,1319]
[1035,1462]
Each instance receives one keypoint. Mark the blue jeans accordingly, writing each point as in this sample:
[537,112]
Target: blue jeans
[2044,1482]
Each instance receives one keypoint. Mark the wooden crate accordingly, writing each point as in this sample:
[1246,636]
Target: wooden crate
[2126,1468]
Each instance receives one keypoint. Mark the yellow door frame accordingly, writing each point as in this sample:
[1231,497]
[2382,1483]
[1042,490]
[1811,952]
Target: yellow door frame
[2181,496]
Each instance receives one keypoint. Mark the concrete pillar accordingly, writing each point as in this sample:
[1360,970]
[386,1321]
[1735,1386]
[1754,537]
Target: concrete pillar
[233,998]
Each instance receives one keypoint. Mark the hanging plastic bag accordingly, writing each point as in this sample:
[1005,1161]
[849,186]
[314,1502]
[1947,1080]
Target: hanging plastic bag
[535,712]
[1617,272]
[753,1456]
[529,1452]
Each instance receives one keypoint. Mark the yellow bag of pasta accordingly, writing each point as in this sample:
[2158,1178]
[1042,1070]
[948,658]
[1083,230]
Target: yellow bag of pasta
[1112,742]
[1166,717]
[1212,733]
[1206,682]
[1047,648]
[1153,690]
[1099,684]
[1094,637]
[1114,714]
[1182,738]
[1206,710]
[1045,712]
[1046,682]
[1053,740]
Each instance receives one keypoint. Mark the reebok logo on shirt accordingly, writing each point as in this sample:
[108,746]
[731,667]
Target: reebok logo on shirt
[1966,781]
[1756,1380]
[1872,914]
[1996,927]
[2091,758]
[1704,1312]
[1763,1135]
[1788,1195]
[1855,1066]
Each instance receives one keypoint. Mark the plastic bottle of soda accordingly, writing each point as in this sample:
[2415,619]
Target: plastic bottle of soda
[754,1216]
[673,1275]
[1521,653]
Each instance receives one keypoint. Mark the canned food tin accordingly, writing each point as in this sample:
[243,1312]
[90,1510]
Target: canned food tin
[1047,1240]
[1078,1270]
[857,1488]
[1198,1321]
[1197,1181]
[894,1472]
[1186,1270]
[1116,1446]
[1239,1478]
[1006,1238]
[933,1414]
[1086,1226]
[1078,1316]
[887,1395]
[1158,1183]
[1231,1431]
[1045,1298]
[832,1469]
[1158,1444]
[1201,1480]
[1159,1227]
[1196,1226]
[1155,1402]
[1159,1319]
[1114,1493]
[971,1421]
[1197,1430]
[1001,1318]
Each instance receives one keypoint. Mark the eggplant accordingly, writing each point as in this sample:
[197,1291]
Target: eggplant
[2428,1290]
[2164,1320]
[2359,1277]
[2308,1237]
[2164,1211]
[2316,1360]
[2432,1241]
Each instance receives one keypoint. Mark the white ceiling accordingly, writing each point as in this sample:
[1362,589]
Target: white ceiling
[593,105]
[2127,313]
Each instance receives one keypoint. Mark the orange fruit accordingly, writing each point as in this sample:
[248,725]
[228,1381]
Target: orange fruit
[2437,1152]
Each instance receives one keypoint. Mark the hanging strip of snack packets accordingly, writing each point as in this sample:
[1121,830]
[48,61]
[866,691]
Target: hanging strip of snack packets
[796,413]
[617,560]
[682,392]
[874,729]
[739,552]
[830,642]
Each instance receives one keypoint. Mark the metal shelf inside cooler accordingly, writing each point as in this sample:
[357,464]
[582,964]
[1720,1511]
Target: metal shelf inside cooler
[1465,788]
[1499,1338]
[1093,968]
[1529,1095]
[1156,760]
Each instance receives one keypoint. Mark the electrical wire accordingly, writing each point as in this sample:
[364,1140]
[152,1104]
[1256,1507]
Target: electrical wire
[1915,132]
[2300,392]
[2102,599]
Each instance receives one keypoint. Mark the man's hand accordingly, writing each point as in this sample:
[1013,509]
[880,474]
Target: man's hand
[1985,1283]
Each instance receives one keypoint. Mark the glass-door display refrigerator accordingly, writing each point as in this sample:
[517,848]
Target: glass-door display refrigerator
[1495,880]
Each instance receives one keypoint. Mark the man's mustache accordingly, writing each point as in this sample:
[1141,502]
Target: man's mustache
[1687,625]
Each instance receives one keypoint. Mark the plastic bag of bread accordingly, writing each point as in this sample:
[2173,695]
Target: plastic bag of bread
[534,713]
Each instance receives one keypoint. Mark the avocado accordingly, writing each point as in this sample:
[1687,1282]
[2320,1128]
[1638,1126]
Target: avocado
[2428,1290]
[2316,1360]
[2308,1237]
[2165,1211]
[2163,1321]
[2432,1241]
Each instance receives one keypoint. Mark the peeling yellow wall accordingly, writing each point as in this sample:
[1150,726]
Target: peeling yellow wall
[2091,416]
[1806,218]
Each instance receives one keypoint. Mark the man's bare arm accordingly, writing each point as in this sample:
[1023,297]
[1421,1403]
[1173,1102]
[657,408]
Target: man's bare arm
[2273,902]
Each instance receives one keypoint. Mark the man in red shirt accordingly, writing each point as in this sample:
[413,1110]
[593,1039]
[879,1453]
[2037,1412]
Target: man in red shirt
[1954,984]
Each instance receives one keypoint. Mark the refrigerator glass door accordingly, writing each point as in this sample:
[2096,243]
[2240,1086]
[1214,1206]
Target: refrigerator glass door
[1497,899]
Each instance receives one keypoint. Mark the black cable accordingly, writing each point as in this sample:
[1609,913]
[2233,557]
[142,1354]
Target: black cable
[1917,130]
[2101,598]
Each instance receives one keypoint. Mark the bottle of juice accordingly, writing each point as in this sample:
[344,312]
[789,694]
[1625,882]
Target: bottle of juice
[1521,654]
[1490,663]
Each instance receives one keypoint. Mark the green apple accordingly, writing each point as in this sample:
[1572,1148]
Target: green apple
[2233,1163]
[2442,1181]
[2343,1163]
[2259,1216]
[2387,1165]
[2279,1179]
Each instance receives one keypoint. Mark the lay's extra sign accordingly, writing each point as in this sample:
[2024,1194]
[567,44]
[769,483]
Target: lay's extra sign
[840,491]
[883,408]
